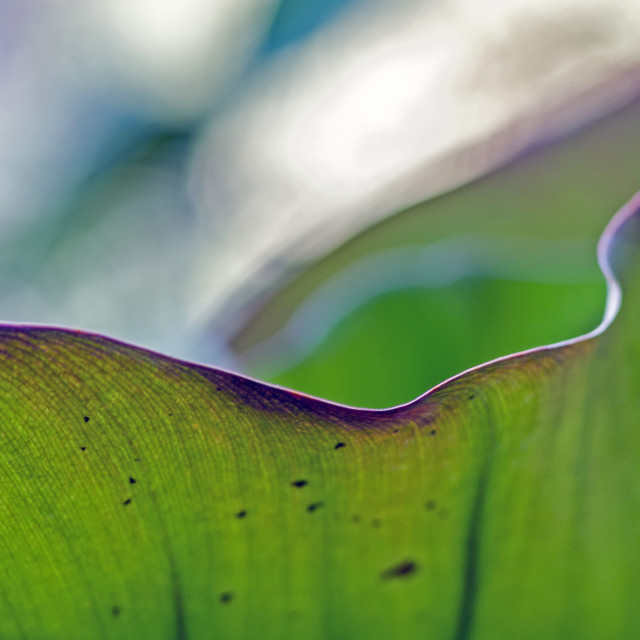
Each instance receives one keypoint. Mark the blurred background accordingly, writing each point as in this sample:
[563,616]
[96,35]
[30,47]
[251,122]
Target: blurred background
[354,198]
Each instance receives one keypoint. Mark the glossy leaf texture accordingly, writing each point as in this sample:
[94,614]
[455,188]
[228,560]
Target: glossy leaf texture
[146,497]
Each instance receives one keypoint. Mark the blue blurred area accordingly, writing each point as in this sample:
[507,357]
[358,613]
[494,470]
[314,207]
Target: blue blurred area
[102,128]
[295,20]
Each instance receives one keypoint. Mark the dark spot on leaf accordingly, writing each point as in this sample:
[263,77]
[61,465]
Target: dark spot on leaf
[376,522]
[226,597]
[83,448]
[127,501]
[340,445]
[472,396]
[432,432]
[356,519]
[86,418]
[137,459]
[115,611]
[400,570]
[314,506]
[396,430]
[431,505]
[299,483]
[132,480]
[241,514]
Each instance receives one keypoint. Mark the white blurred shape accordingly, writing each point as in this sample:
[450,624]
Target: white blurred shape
[361,117]
[396,103]
[71,71]
[173,55]
[174,31]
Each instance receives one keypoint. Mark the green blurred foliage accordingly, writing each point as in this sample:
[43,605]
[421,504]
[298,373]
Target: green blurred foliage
[402,343]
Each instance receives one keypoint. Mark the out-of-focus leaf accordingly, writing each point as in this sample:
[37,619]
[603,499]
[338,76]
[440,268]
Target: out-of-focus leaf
[398,102]
[358,340]
[146,497]
[558,193]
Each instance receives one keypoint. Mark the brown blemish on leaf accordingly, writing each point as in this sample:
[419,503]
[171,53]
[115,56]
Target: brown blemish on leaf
[401,570]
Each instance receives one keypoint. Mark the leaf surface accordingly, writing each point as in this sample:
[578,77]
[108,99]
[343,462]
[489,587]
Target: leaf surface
[146,497]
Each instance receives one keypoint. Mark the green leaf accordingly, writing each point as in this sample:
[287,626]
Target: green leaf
[145,497]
